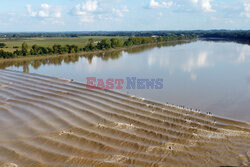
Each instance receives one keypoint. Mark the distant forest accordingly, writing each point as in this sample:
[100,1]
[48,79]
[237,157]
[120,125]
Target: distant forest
[237,35]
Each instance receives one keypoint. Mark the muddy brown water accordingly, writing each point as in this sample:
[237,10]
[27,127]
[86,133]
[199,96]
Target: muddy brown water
[46,121]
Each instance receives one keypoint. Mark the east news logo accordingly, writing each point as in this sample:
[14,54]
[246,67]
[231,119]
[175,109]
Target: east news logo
[131,83]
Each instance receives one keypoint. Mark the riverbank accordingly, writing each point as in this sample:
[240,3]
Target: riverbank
[48,121]
[34,57]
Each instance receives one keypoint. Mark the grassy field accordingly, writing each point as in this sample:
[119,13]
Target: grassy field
[45,42]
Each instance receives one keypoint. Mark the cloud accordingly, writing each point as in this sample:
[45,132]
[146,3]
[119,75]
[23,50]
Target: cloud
[90,10]
[195,1]
[31,13]
[246,10]
[160,4]
[90,6]
[45,11]
[205,5]
[120,12]
[85,10]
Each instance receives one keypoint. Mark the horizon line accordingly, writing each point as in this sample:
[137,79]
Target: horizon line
[89,31]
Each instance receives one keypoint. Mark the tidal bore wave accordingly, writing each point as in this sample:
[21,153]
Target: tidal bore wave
[46,121]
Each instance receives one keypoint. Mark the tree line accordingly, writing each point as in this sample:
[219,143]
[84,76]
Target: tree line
[241,36]
[36,50]
[227,33]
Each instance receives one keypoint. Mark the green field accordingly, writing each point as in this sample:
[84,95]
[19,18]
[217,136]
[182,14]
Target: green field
[45,42]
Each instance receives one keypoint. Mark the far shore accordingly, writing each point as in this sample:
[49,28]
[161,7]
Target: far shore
[40,57]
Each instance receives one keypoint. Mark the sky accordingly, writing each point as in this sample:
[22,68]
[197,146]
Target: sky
[123,15]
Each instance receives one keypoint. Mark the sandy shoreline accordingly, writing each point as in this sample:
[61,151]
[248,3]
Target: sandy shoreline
[45,121]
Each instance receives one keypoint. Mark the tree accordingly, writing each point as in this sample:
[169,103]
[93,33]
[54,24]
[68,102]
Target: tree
[5,55]
[35,49]
[159,39]
[115,43]
[25,49]
[2,45]
[42,50]
[90,45]
[57,49]
[104,44]
[17,52]
[128,42]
